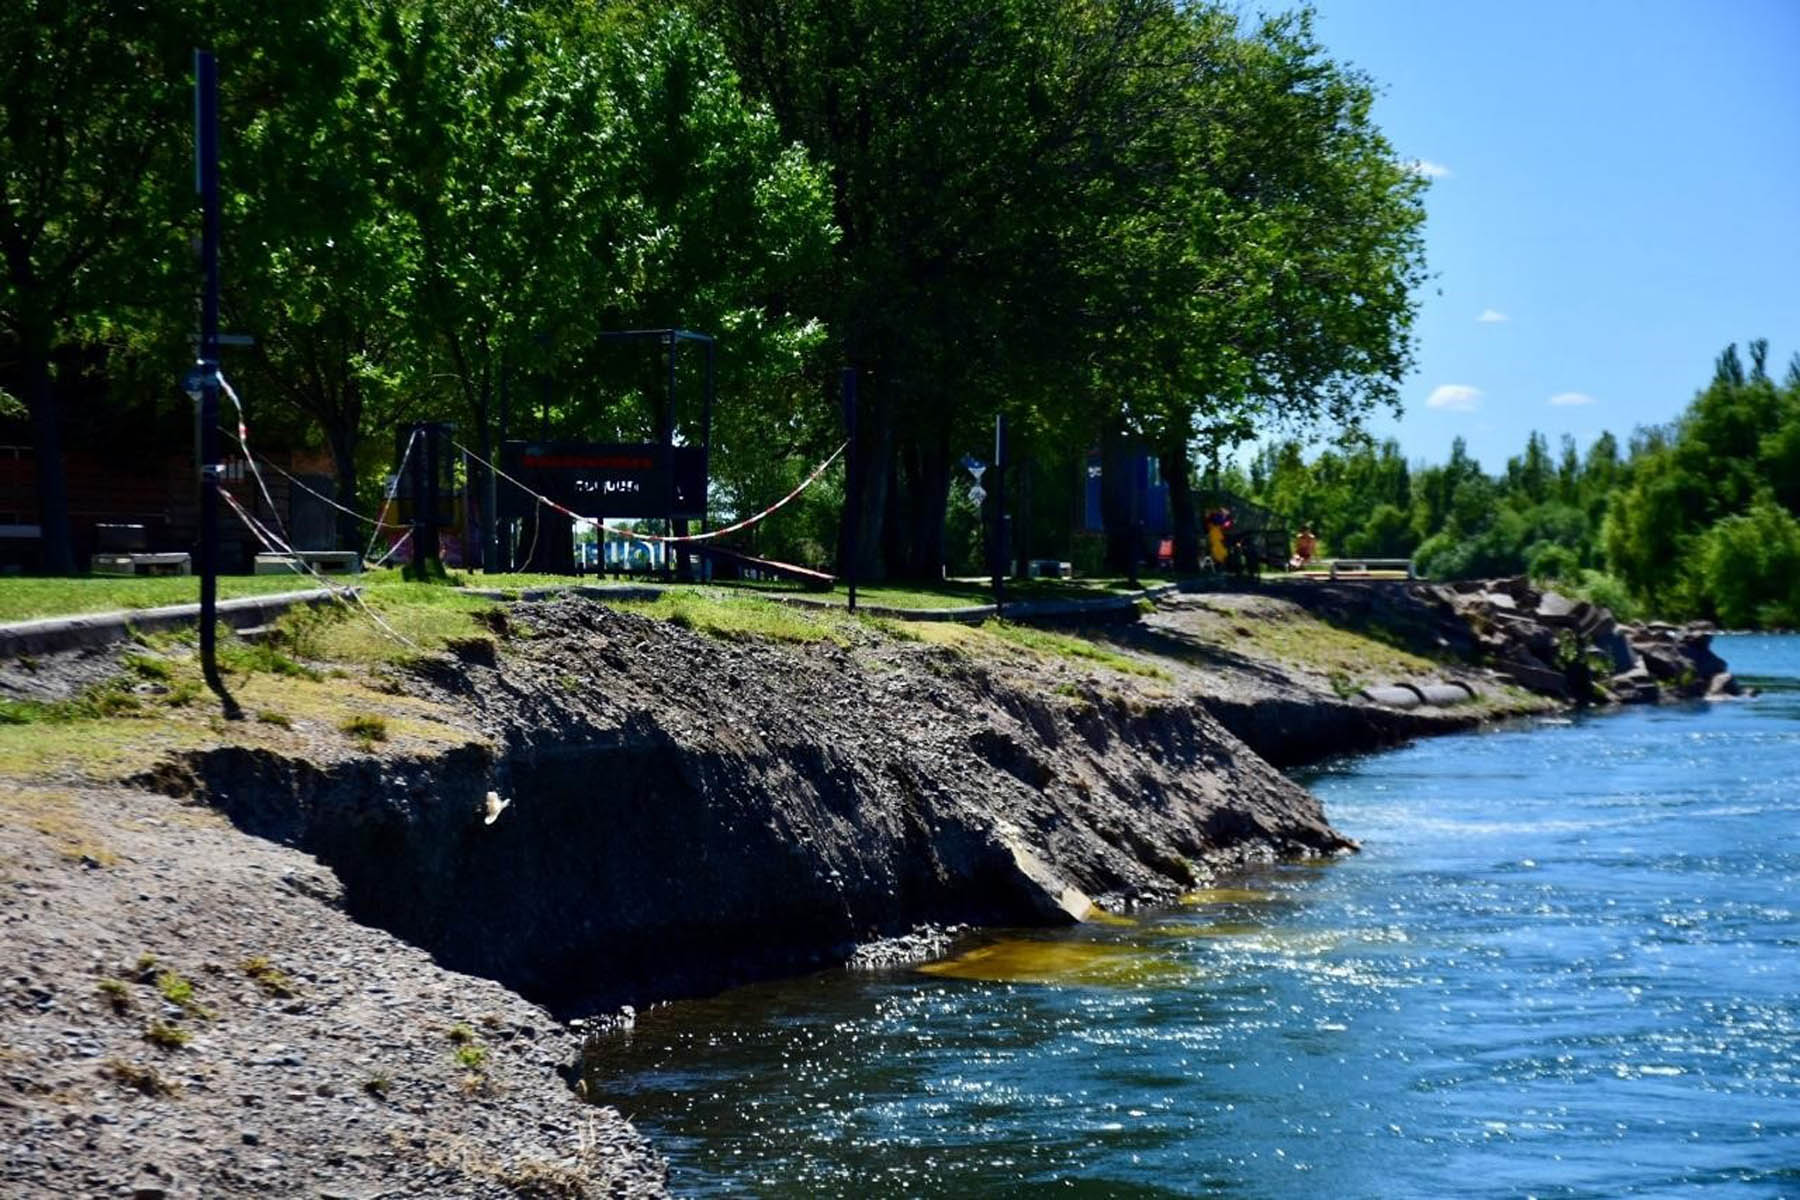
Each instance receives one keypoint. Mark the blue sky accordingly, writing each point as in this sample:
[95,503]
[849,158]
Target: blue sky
[1616,196]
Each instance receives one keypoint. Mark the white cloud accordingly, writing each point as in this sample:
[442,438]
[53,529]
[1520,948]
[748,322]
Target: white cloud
[1455,397]
[1493,316]
[1429,169]
[1569,399]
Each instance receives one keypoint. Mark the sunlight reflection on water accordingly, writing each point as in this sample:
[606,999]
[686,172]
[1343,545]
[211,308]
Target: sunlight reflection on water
[1563,964]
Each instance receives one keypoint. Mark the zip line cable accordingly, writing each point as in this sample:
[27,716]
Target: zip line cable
[658,537]
[314,492]
[392,490]
[278,543]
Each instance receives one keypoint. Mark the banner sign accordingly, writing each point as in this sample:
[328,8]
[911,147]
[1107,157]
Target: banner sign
[603,479]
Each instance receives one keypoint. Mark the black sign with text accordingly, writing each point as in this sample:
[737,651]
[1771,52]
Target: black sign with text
[602,479]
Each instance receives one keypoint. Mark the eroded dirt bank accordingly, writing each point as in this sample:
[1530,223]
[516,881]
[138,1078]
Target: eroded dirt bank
[348,1003]
[683,813]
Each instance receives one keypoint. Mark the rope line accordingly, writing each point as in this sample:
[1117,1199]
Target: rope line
[274,545]
[387,499]
[659,537]
[314,492]
[278,543]
[389,552]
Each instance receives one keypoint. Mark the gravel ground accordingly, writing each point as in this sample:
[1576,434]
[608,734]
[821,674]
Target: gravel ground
[321,1058]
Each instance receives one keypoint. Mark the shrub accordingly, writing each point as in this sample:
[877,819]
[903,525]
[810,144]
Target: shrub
[169,1037]
[367,728]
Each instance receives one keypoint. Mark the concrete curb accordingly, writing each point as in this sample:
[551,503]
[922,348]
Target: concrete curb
[48,635]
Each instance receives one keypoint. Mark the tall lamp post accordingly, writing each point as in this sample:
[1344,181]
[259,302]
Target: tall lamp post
[204,378]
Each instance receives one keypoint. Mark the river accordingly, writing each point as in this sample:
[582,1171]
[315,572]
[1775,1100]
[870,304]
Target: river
[1566,963]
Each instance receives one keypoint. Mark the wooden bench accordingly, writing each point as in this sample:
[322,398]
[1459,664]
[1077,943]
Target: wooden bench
[1368,567]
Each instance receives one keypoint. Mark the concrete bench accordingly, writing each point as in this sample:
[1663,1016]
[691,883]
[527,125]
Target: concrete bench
[325,562]
[180,563]
[1366,566]
[1049,568]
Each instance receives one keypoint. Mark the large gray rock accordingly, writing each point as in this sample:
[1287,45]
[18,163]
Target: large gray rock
[1554,606]
[1617,649]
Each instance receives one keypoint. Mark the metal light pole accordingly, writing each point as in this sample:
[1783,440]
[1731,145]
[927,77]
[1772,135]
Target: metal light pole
[1000,517]
[852,509]
[206,182]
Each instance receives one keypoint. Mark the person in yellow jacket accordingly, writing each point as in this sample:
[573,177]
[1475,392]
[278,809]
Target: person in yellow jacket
[1217,522]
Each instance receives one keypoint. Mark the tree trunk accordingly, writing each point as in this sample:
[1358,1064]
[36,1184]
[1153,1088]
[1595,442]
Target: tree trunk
[925,461]
[1174,463]
[350,532]
[46,431]
[874,485]
[1118,488]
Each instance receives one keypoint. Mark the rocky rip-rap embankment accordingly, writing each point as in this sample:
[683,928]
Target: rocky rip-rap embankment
[344,947]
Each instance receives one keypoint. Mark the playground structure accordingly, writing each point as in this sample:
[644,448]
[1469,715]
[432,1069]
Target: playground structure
[1259,537]
[542,493]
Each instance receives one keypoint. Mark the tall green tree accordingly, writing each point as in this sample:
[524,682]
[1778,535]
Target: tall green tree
[960,138]
[1292,241]
[317,259]
[95,181]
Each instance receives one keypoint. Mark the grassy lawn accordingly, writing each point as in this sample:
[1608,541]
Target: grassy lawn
[992,636]
[23,598]
[961,593]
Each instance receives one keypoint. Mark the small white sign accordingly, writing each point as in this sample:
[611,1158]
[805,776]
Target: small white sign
[978,494]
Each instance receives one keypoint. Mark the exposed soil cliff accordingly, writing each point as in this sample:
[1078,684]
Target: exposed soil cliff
[682,813]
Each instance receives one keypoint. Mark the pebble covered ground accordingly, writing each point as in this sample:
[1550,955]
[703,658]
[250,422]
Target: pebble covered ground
[188,1013]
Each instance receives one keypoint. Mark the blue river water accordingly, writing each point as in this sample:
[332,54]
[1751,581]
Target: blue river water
[1566,963]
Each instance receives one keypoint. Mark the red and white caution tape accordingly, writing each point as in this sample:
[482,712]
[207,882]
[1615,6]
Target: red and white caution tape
[660,537]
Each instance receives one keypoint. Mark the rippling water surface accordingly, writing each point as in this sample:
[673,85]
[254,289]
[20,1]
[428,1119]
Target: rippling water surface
[1566,963]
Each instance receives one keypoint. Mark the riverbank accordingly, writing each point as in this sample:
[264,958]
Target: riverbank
[1560,964]
[587,806]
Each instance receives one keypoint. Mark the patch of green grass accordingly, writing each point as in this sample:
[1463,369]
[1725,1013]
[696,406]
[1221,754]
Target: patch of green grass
[22,598]
[180,992]
[960,593]
[1349,659]
[169,1037]
[174,988]
[250,658]
[1062,645]
[378,1085]
[420,618]
[182,693]
[460,1034]
[117,993]
[721,614]
[147,1080]
[269,716]
[97,702]
[472,1056]
[367,728]
[269,977]
[148,667]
